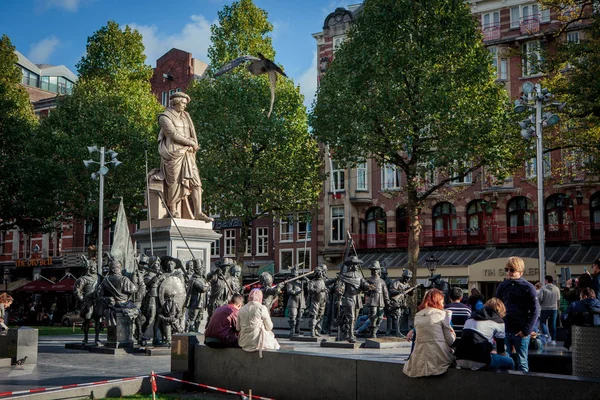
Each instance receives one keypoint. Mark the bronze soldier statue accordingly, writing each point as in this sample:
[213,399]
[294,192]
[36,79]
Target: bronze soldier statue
[150,304]
[220,285]
[270,292]
[236,276]
[295,303]
[352,283]
[168,319]
[317,291]
[195,301]
[137,277]
[376,298]
[85,291]
[399,291]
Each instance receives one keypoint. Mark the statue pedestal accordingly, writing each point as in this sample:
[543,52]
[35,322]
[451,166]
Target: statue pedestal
[168,240]
[120,335]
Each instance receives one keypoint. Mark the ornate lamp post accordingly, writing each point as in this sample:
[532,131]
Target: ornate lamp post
[536,99]
[103,170]
[431,262]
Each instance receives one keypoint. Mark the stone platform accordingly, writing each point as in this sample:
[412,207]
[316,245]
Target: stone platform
[388,342]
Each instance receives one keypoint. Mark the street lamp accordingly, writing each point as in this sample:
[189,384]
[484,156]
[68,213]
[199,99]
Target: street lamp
[6,278]
[536,99]
[431,262]
[103,170]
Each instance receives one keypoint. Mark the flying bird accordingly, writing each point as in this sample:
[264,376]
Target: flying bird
[21,361]
[256,66]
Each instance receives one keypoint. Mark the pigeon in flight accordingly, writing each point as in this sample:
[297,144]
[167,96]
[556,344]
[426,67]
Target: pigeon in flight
[256,66]
[21,361]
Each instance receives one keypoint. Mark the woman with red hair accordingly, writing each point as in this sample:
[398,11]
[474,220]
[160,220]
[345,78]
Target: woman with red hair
[432,354]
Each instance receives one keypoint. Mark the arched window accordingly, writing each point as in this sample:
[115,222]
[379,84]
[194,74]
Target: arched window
[402,227]
[376,221]
[521,219]
[444,223]
[559,216]
[595,214]
[478,213]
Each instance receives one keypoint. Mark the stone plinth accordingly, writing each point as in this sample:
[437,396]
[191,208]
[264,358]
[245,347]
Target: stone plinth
[389,342]
[120,335]
[171,237]
[20,343]
[340,345]
[182,352]
[299,338]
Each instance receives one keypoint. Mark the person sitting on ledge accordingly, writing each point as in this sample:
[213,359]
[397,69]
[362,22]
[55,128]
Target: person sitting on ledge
[221,330]
[585,312]
[255,325]
[474,350]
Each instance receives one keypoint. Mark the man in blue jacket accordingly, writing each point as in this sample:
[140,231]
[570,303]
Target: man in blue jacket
[519,297]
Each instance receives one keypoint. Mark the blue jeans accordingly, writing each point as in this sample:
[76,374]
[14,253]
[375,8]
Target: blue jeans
[362,323]
[521,350]
[501,362]
[548,322]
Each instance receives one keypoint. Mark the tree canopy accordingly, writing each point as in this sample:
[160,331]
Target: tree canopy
[413,86]
[111,106]
[19,205]
[251,165]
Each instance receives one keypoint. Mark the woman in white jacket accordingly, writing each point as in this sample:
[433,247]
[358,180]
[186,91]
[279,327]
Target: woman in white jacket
[255,325]
[434,335]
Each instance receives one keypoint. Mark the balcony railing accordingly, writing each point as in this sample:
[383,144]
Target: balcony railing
[491,31]
[530,25]
[490,235]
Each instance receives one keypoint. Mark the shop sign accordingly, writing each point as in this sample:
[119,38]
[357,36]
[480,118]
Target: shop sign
[37,262]
[227,223]
[492,272]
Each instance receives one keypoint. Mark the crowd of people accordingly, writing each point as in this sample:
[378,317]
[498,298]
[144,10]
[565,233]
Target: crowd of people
[498,334]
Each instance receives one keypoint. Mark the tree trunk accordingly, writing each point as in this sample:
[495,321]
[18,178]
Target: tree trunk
[414,234]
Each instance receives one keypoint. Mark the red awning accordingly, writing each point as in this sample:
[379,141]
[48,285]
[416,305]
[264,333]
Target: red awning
[65,285]
[40,285]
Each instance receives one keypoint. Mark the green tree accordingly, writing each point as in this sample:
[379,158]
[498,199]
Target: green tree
[17,127]
[247,160]
[574,78]
[111,106]
[413,87]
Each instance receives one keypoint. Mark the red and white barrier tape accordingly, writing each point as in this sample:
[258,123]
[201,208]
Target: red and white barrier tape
[74,385]
[212,387]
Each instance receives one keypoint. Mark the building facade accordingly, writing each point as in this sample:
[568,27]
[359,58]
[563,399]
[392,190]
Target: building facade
[478,223]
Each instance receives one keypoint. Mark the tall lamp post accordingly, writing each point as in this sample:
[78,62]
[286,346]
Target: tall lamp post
[431,262]
[103,170]
[536,99]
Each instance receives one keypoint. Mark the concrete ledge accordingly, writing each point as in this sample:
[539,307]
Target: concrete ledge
[303,376]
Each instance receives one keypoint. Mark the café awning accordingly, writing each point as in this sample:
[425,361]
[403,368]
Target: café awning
[14,285]
[37,286]
[65,285]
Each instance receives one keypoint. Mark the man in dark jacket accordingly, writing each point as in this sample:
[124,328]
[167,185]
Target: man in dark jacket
[519,297]
[596,276]
[585,312]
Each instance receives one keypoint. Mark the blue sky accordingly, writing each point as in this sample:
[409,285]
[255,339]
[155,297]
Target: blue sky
[56,31]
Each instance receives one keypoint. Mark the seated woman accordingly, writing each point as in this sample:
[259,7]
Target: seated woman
[585,312]
[475,348]
[432,354]
[255,325]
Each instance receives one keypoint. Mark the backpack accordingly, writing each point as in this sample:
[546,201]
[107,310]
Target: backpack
[479,305]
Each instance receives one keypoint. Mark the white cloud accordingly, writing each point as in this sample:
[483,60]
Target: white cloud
[280,29]
[194,38]
[69,5]
[308,82]
[41,51]
[332,5]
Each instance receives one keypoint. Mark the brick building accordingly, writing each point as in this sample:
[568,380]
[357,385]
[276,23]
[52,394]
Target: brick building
[473,232]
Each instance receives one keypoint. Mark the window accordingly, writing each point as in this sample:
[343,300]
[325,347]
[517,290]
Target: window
[503,70]
[531,58]
[444,223]
[490,19]
[500,64]
[545,15]
[229,243]
[521,218]
[304,230]
[559,216]
[337,42]
[494,52]
[2,240]
[248,251]
[303,256]
[531,167]
[515,17]
[286,229]
[465,180]
[165,99]
[286,259]
[215,248]
[527,13]
[361,176]
[391,177]
[595,214]
[337,177]
[337,224]
[573,37]
[262,241]
[88,229]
